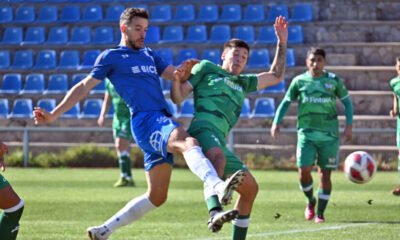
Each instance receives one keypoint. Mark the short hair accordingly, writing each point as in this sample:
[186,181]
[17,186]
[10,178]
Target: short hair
[130,13]
[236,43]
[316,51]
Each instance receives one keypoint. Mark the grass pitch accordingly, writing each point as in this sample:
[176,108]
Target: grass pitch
[61,203]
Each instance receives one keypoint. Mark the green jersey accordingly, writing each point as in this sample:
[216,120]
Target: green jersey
[395,85]
[121,111]
[317,112]
[218,95]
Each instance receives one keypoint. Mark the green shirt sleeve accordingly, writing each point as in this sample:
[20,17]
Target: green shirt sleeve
[281,111]
[250,82]
[199,70]
[348,110]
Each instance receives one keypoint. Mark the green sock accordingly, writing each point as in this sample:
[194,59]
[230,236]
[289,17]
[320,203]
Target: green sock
[9,224]
[308,191]
[323,198]
[240,226]
[124,161]
[213,202]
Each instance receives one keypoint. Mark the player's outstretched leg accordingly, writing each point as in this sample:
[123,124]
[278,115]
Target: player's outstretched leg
[216,222]
[226,191]
[98,233]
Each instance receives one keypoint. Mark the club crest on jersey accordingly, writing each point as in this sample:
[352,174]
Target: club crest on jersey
[328,86]
[125,56]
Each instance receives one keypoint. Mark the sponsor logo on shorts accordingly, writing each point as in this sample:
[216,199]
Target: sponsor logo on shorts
[216,139]
[4,179]
[332,160]
[156,140]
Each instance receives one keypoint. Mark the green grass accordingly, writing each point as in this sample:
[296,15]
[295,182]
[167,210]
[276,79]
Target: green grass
[62,203]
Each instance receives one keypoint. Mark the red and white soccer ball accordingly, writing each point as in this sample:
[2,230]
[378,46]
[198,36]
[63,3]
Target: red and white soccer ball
[360,167]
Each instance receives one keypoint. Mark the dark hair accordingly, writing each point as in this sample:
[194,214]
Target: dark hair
[130,13]
[316,51]
[236,43]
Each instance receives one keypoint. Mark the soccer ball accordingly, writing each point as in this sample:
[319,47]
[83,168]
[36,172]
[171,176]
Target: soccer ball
[360,167]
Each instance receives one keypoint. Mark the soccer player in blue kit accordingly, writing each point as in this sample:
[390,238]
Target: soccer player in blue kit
[134,71]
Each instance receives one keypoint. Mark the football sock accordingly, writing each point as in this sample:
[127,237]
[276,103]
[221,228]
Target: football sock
[323,198]
[132,211]
[308,191]
[239,228]
[213,204]
[125,163]
[9,221]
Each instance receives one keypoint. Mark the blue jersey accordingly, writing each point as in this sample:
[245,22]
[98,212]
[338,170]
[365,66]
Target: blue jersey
[135,76]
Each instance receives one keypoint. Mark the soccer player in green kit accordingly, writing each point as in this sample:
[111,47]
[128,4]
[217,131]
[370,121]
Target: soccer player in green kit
[219,93]
[395,85]
[317,127]
[121,132]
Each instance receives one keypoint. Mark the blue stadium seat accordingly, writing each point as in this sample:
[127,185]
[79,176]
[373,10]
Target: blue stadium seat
[213,55]
[74,112]
[70,14]
[172,107]
[6,14]
[22,108]
[220,34]
[77,78]
[259,58]
[231,13]
[264,108]
[89,57]
[98,89]
[196,34]
[185,53]
[12,35]
[23,59]
[208,13]
[4,59]
[254,13]
[57,1]
[142,6]
[48,14]
[187,108]
[12,83]
[153,34]
[103,35]
[46,59]
[4,108]
[69,59]
[25,14]
[34,84]
[267,35]
[80,36]
[245,33]
[47,104]
[166,86]
[166,54]
[290,58]
[161,13]
[184,13]
[92,108]
[172,34]
[276,11]
[58,35]
[93,13]
[58,84]
[245,109]
[34,35]
[114,12]
[117,37]
[278,88]
[295,34]
[302,12]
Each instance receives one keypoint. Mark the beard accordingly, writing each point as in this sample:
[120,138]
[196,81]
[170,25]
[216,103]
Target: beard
[134,45]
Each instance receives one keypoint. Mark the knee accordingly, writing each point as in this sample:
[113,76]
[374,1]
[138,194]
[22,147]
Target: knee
[158,199]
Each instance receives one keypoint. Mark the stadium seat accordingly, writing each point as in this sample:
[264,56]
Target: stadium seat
[12,35]
[264,108]
[172,107]
[12,83]
[184,13]
[245,33]
[196,34]
[77,78]
[48,14]
[187,108]
[166,86]
[290,58]
[276,11]
[70,14]
[278,88]
[69,59]
[22,108]
[259,58]
[46,59]
[25,14]
[58,84]
[295,34]
[245,109]
[254,13]
[4,108]
[57,1]
[166,54]
[213,55]
[58,35]
[89,57]
[92,108]
[231,13]
[23,59]
[161,13]
[80,36]
[142,6]
[114,12]
[153,34]
[302,12]
[172,34]
[93,13]
[6,14]
[34,35]
[208,13]
[98,89]
[185,53]
[267,35]
[47,103]
[74,112]
[4,59]
[220,34]
[103,35]
[117,37]
[34,84]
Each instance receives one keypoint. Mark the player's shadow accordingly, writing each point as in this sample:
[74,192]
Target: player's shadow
[374,222]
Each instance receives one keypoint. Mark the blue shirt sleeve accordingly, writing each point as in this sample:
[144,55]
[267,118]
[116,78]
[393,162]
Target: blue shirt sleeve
[102,66]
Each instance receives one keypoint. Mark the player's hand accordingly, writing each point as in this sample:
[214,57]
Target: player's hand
[392,114]
[348,133]
[40,115]
[189,63]
[3,150]
[100,121]
[274,130]
[281,29]
[179,73]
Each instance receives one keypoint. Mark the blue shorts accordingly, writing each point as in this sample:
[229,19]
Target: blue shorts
[151,131]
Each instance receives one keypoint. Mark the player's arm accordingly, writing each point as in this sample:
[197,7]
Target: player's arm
[280,113]
[3,150]
[348,111]
[394,111]
[104,109]
[74,95]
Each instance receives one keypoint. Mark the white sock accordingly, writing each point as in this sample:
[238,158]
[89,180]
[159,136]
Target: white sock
[201,166]
[208,192]
[132,211]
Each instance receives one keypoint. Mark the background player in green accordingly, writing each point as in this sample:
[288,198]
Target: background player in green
[219,93]
[121,132]
[317,127]
[395,85]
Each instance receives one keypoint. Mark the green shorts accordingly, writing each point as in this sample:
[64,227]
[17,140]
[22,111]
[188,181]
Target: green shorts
[122,128]
[3,182]
[325,151]
[209,137]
